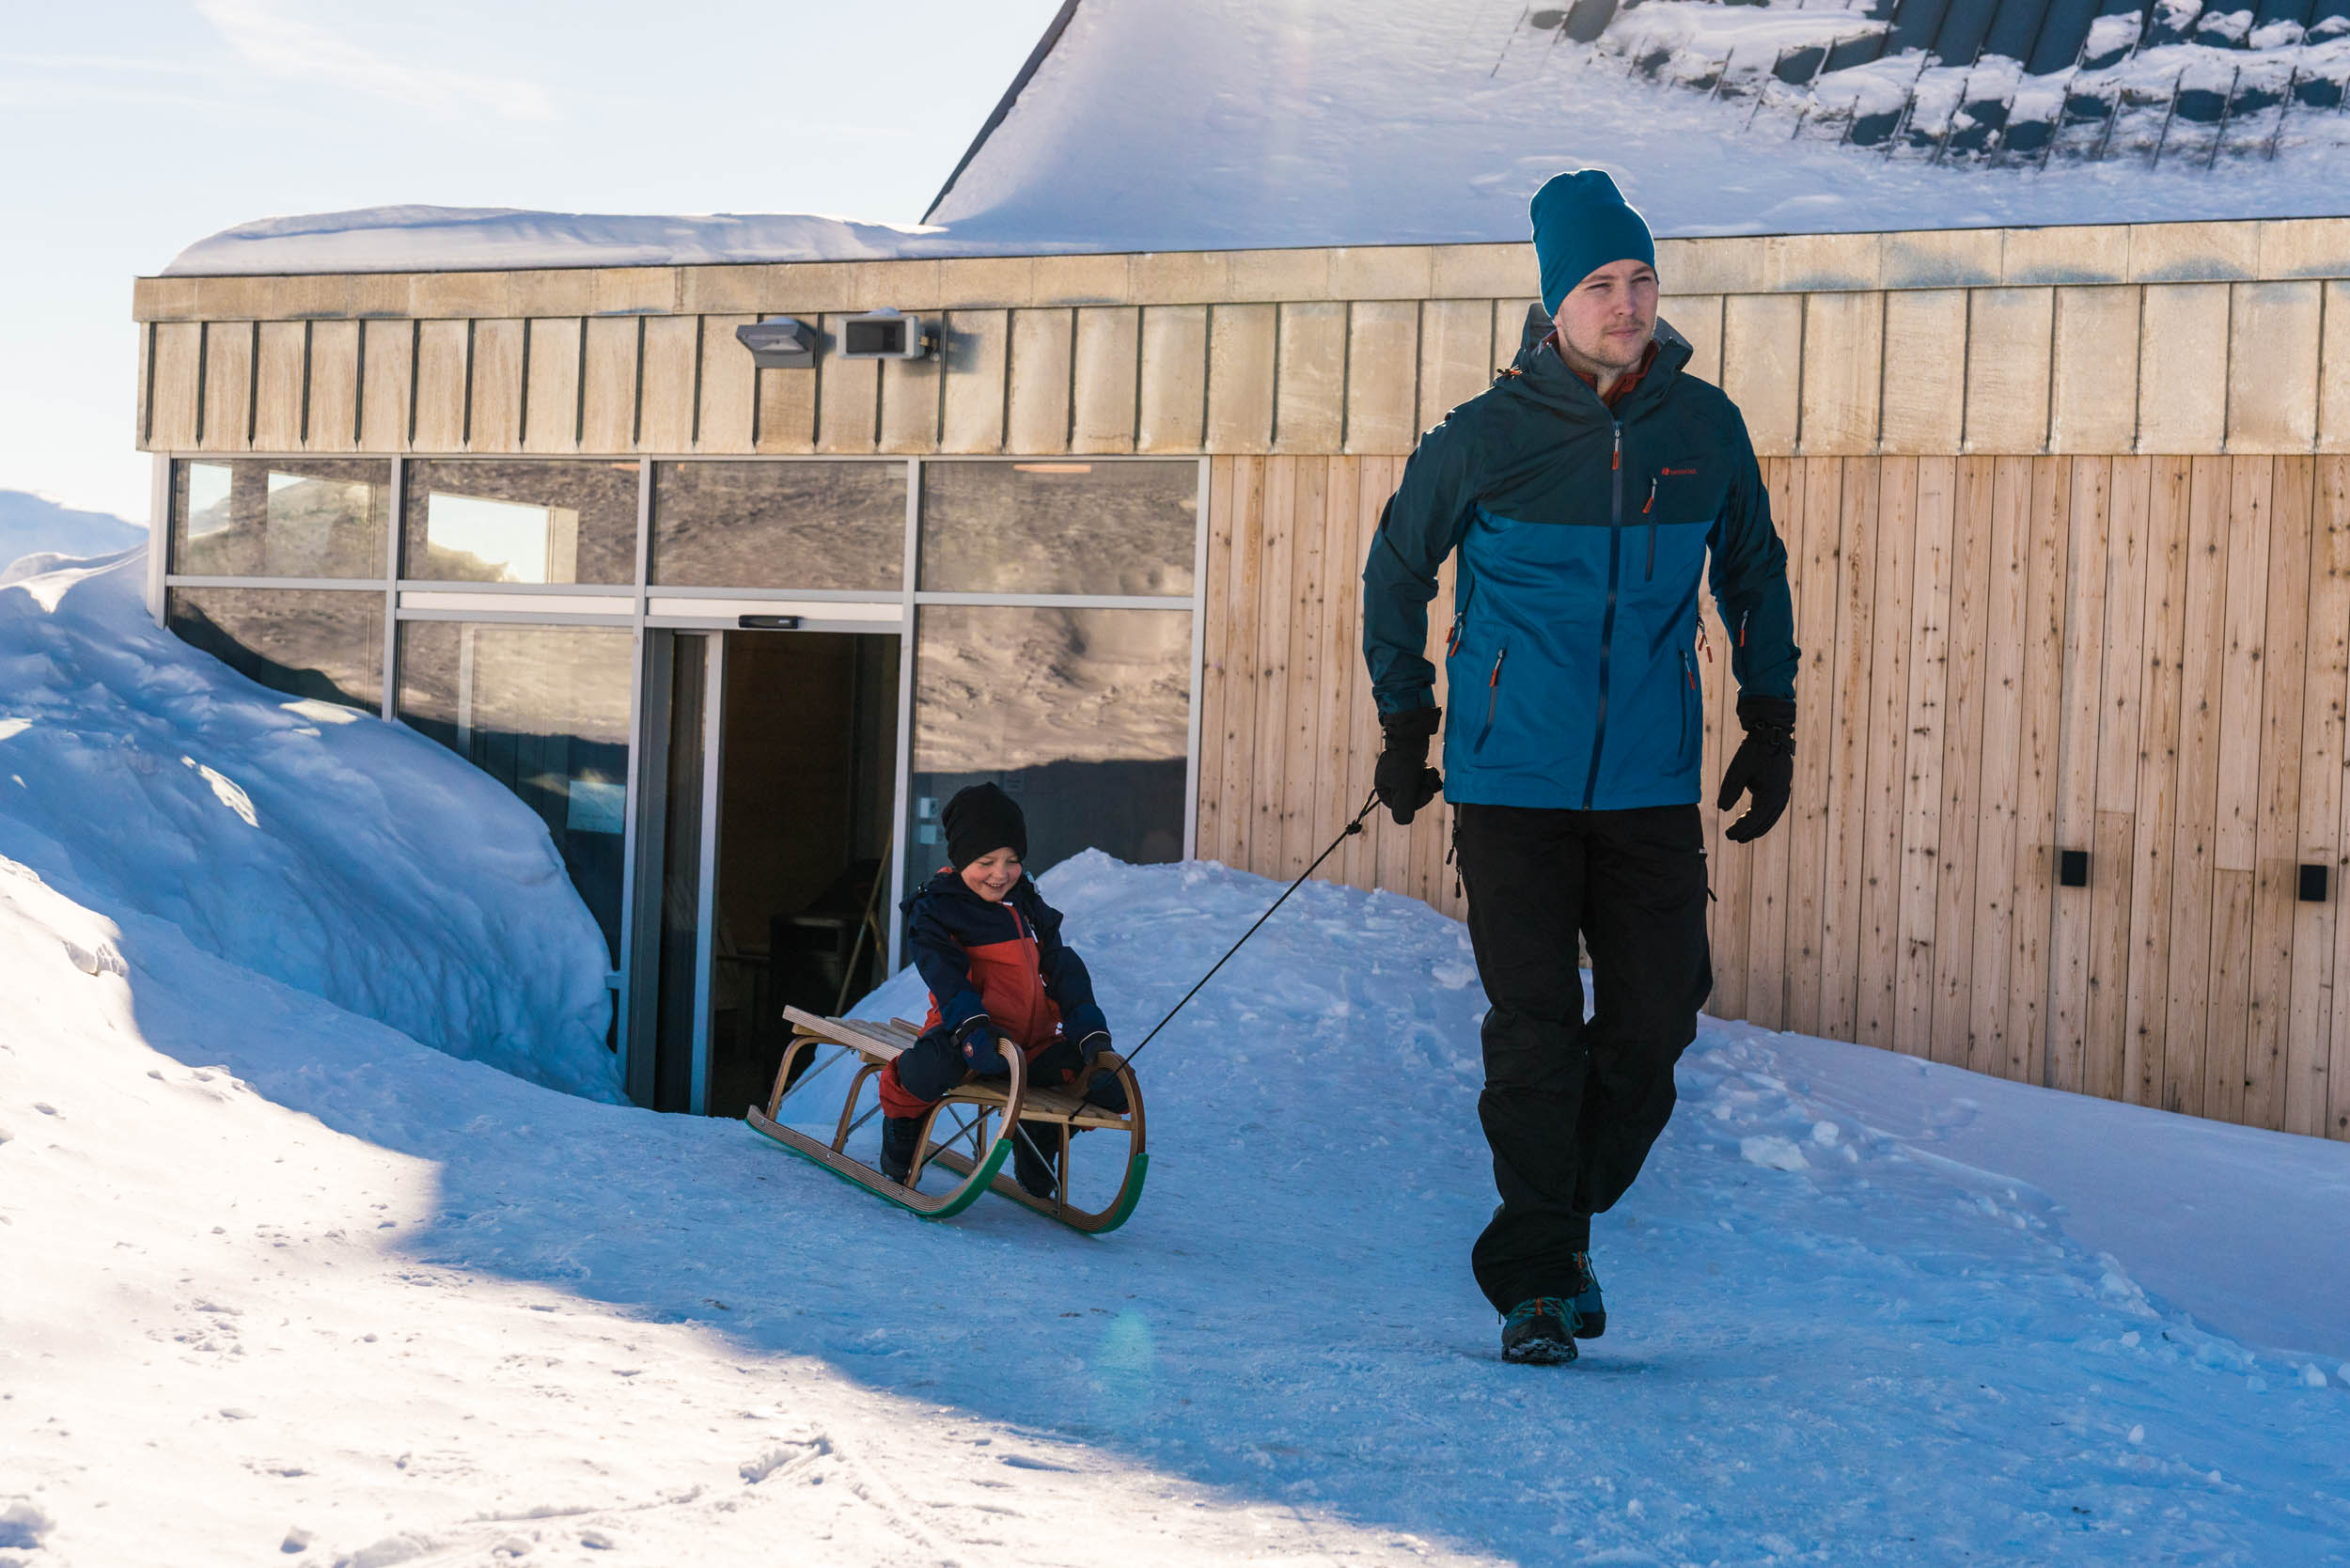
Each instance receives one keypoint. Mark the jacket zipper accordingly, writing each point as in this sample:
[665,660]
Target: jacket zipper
[1493,694]
[1607,620]
[1647,509]
[1689,674]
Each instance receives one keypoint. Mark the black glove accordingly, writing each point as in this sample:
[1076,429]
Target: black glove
[1405,780]
[1093,1045]
[1763,767]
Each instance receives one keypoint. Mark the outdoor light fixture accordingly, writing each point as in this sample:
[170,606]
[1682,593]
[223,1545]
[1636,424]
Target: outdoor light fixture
[2313,887]
[2073,867]
[779,343]
[887,334]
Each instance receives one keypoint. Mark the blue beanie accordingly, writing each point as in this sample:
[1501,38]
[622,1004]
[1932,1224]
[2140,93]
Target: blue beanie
[1581,224]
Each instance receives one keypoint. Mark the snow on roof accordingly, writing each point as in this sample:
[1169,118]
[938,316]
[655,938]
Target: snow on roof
[1164,124]
[1229,124]
[487,239]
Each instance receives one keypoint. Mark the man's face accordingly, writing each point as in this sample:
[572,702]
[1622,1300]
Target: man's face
[1606,321]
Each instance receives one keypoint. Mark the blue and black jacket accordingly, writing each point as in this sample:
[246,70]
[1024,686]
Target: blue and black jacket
[1006,961]
[1582,533]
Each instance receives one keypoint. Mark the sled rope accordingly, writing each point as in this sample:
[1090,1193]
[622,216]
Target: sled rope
[1370,804]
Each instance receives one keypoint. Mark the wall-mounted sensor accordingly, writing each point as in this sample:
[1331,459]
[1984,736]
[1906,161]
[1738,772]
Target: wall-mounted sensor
[2312,888]
[779,343]
[885,335]
[2072,868]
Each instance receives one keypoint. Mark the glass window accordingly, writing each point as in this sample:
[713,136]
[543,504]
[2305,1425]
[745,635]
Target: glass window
[779,525]
[1061,527]
[544,711]
[286,517]
[326,643]
[1081,714]
[494,521]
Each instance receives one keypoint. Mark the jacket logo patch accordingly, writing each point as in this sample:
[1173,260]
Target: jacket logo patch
[1680,472]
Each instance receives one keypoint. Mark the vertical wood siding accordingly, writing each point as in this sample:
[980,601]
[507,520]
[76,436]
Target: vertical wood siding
[2146,659]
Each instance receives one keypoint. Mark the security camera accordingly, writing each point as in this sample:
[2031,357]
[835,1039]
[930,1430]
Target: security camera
[885,335]
[779,343]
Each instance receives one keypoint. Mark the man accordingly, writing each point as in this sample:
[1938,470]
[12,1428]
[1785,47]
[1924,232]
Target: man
[1583,492]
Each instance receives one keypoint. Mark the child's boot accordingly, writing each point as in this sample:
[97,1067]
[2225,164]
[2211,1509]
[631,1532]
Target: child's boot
[900,1135]
[1031,1159]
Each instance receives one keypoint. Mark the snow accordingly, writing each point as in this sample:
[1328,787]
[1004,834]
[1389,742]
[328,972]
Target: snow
[33,525]
[461,239]
[1219,123]
[1223,124]
[289,1284]
[298,840]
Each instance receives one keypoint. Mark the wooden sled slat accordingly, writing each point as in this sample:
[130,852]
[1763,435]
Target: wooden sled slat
[1006,1102]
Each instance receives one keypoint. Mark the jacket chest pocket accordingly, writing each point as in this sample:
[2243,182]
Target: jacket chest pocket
[1687,490]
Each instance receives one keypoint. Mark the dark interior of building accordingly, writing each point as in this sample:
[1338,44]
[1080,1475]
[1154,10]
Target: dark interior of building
[803,831]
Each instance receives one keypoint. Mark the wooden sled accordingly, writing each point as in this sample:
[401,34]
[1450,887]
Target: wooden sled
[969,1150]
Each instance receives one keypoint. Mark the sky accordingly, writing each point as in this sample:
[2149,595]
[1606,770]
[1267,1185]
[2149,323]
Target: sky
[133,128]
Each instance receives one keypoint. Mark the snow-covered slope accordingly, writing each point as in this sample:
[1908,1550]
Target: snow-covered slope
[33,525]
[301,1291]
[302,840]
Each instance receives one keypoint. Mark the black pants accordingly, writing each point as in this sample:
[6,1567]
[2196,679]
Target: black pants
[1571,1108]
[931,1066]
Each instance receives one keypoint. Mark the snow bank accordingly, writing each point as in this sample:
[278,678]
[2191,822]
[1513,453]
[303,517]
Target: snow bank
[304,842]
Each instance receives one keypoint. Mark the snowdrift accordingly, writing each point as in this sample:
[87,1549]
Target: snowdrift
[301,841]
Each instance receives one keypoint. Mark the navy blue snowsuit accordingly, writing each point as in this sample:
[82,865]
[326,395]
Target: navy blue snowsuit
[1572,747]
[1002,963]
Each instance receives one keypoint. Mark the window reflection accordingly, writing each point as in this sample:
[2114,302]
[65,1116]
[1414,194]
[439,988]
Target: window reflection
[839,525]
[544,711]
[485,521]
[323,643]
[526,544]
[283,517]
[1081,714]
[1061,527]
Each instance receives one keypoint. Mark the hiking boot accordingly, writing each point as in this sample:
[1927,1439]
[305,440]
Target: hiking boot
[1032,1160]
[1540,1333]
[900,1137]
[1590,1308]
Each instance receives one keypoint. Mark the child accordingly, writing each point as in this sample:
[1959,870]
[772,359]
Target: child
[989,947]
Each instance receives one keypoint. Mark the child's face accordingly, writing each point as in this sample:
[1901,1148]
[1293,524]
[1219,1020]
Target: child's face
[993,874]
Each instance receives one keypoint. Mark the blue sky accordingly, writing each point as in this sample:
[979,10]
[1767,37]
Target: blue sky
[132,128]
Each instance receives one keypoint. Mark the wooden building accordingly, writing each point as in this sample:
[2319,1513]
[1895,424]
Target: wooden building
[2067,514]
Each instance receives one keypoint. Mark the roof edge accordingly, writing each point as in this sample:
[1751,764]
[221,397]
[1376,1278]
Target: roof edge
[1036,58]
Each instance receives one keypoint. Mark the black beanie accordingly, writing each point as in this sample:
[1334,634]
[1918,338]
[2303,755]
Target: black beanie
[981,820]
